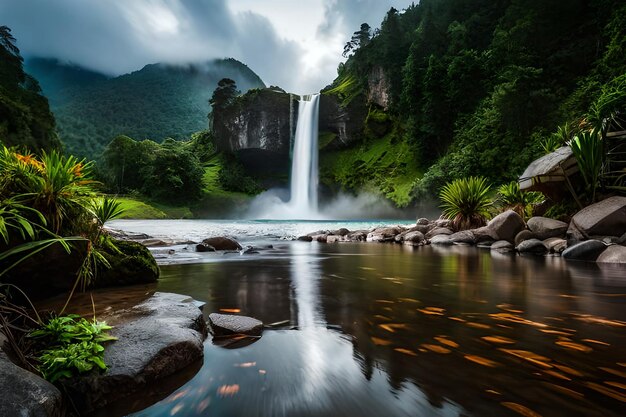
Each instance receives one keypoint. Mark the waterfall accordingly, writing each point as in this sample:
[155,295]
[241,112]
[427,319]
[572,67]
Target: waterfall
[304,177]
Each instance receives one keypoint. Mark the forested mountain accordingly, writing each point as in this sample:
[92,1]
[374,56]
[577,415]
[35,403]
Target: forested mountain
[156,102]
[25,117]
[472,87]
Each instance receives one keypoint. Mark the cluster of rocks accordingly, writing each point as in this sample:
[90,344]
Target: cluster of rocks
[596,233]
[156,339]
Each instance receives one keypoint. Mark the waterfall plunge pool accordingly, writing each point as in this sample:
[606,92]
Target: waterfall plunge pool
[383,329]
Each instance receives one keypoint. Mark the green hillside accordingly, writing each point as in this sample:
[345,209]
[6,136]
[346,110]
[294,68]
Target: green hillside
[475,86]
[156,102]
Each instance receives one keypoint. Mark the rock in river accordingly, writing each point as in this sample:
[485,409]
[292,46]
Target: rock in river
[584,251]
[507,225]
[614,254]
[156,338]
[224,324]
[545,228]
[222,243]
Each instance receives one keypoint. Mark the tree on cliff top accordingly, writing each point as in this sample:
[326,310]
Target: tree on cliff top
[359,39]
[224,94]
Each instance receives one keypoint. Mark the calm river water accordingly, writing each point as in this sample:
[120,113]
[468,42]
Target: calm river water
[389,330]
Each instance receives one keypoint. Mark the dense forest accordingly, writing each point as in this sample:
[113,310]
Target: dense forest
[476,87]
[25,118]
[156,102]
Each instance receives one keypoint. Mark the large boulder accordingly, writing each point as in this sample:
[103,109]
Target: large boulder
[222,243]
[485,234]
[26,394]
[156,339]
[132,263]
[545,228]
[523,235]
[226,324]
[589,250]
[615,254]
[507,225]
[605,218]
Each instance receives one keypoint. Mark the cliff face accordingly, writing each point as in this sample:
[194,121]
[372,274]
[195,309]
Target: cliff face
[378,88]
[340,126]
[261,119]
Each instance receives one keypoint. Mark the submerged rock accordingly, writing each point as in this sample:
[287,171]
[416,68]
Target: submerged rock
[502,246]
[225,324]
[615,254]
[589,250]
[26,394]
[156,338]
[305,238]
[222,243]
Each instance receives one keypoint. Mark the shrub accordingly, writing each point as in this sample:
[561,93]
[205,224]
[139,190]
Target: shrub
[587,148]
[466,202]
[511,197]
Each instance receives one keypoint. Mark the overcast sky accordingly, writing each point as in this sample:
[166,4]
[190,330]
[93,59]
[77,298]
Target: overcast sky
[295,44]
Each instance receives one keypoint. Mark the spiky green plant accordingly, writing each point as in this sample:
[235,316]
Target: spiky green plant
[511,197]
[587,149]
[466,202]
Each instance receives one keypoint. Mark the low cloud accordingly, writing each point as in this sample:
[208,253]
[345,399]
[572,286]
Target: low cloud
[120,36]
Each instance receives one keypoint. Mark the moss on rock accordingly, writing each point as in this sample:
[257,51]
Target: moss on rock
[133,264]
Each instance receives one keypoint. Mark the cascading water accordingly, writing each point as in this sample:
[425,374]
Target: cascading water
[304,176]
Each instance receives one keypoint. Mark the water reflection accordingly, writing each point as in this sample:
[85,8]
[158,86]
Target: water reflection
[386,330]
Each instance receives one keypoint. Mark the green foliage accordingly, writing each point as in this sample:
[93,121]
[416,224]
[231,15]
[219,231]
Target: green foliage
[466,202]
[379,165]
[587,148]
[510,197]
[73,345]
[169,172]
[561,137]
[106,209]
[233,177]
[347,88]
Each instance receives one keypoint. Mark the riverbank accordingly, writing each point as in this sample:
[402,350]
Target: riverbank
[597,233]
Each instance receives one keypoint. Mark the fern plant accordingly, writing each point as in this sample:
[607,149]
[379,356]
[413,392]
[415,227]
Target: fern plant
[466,202]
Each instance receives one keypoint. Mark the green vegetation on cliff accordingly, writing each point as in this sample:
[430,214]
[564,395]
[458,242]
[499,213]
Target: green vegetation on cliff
[474,87]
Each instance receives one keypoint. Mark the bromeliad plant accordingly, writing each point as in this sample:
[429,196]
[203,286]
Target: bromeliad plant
[511,197]
[466,202]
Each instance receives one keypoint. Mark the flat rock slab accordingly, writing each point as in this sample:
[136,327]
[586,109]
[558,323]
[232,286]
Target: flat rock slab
[26,394]
[156,338]
[225,324]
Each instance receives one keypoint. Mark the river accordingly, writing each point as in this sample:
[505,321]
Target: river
[391,330]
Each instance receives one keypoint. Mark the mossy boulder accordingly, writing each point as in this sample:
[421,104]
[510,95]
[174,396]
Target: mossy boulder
[131,264]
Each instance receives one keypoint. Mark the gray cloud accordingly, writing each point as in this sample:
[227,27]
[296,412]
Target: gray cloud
[346,16]
[119,36]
